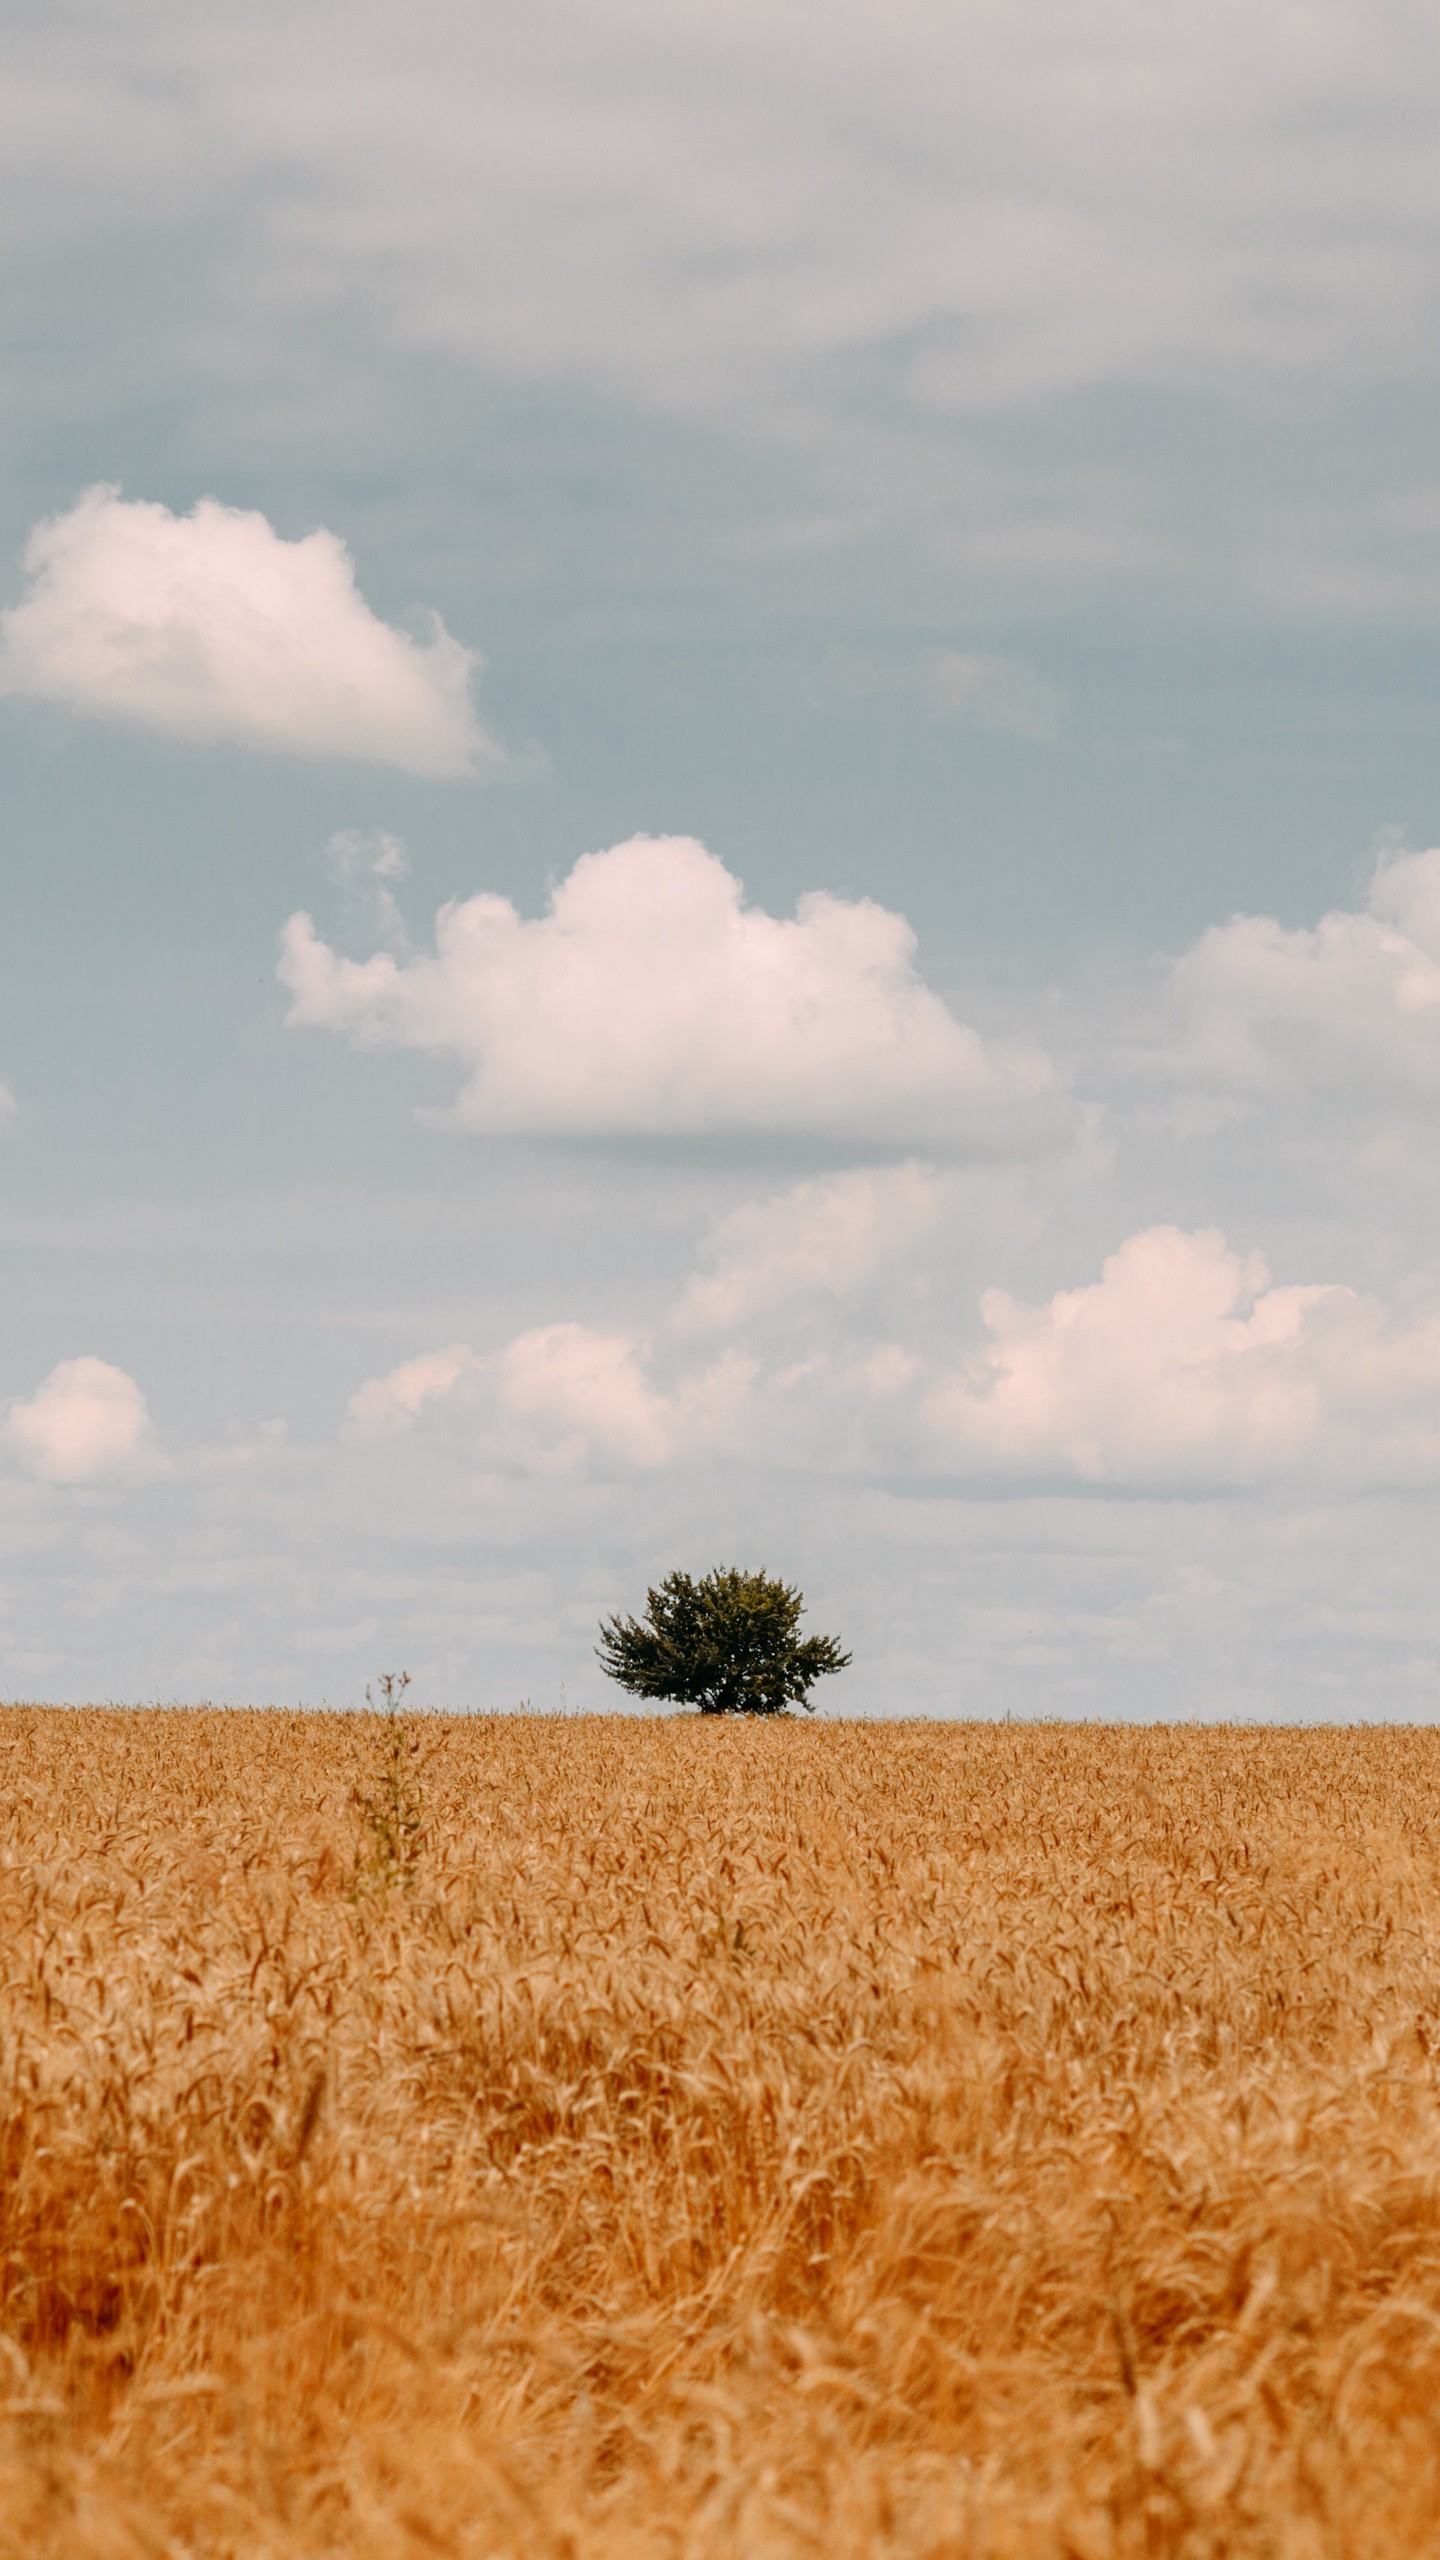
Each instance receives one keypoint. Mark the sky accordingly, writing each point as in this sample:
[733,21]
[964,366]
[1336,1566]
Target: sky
[721,754]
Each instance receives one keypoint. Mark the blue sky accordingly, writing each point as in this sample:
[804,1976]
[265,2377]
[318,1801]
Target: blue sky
[830,615]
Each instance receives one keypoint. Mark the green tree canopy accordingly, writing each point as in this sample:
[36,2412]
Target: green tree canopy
[727,1644]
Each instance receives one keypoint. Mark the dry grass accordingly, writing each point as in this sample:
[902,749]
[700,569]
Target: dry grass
[733,2141]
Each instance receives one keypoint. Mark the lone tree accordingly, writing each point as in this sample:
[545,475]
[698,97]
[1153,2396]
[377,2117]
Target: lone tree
[726,1644]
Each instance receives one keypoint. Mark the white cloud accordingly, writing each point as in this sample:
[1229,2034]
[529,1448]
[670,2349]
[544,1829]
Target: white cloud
[587,1385]
[85,1424]
[592,1389]
[1352,1003]
[561,1398]
[652,1000]
[997,694]
[1182,1365]
[1178,1353]
[210,627]
[8,1105]
[392,1401]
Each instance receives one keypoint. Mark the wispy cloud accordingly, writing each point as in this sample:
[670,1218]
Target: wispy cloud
[820,1240]
[973,687]
[1000,694]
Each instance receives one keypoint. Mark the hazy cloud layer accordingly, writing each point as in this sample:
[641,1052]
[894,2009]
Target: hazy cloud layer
[651,1000]
[875,239]
[689,204]
[210,627]
[483,1502]
[300,1573]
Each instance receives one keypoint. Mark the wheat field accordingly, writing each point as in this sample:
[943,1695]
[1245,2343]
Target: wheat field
[610,2137]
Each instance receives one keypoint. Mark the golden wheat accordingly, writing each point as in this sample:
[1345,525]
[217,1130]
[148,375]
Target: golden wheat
[714,2140]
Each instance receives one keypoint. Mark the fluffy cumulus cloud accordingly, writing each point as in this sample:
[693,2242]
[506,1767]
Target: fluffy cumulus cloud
[1351,1002]
[589,1391]
[560,1399]
[1181,1360]
[87,1423]
[652,1000]
[211,627]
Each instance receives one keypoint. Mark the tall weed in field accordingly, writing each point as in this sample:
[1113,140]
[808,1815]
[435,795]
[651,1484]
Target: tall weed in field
[391,1815]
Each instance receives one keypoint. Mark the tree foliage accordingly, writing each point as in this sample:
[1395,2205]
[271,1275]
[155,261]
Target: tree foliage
[727,1644]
